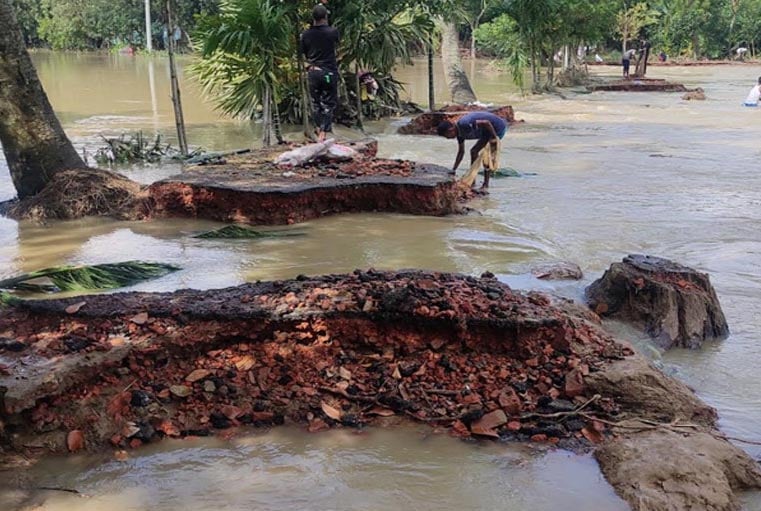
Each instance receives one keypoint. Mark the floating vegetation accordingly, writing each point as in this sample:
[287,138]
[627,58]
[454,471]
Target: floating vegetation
[136,148]
[240,232]
[7,299]
[131,149]
[87,278]
[510,172]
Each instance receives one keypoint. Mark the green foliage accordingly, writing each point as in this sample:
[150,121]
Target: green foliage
[244,51]
[251,44]
[8,300]
[377,32]
[500,38]
[133,148]
[95,24]
[376,35]
[630,22]
[240,232]
[29,13]
[87,278]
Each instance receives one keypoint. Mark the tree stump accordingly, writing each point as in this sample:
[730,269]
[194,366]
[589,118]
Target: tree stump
[674,304]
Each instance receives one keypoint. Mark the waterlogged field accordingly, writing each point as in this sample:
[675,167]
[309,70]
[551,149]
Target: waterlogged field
[614,174]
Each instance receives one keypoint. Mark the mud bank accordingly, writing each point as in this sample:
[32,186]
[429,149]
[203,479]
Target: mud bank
[638,85]
[683,63]
[462,353]
[674,304]
[426,123]
[250,188]
[238,192]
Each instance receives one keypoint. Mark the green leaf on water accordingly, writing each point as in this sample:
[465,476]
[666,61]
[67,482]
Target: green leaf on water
[240,232]
[509,172]
[88,278]
[7,299]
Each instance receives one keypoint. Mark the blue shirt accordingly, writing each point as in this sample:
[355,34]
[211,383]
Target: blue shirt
[467,129]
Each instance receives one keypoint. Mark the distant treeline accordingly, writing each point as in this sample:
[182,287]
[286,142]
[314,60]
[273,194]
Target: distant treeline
[694,29]
[103,24]
[686,28]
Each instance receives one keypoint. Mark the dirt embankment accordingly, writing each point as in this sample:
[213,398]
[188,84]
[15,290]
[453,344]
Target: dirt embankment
[250,188]
[674,304]
[638,85]
[427,123]
[468,354]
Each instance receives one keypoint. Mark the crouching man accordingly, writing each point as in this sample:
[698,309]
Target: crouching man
[488,130]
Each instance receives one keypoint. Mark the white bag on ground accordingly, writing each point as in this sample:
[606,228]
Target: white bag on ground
[303,154]
[338,152]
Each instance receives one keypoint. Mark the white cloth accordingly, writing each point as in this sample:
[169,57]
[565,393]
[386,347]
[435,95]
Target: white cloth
[628,54]
[754,95]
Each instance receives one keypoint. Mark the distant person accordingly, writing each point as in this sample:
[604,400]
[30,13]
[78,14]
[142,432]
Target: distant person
[662,57]
[754,95]
[741,51]
[368,85]
[486,128]
[318,44]
[626,60]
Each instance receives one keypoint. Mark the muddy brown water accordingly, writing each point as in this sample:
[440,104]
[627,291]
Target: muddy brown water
[614,174]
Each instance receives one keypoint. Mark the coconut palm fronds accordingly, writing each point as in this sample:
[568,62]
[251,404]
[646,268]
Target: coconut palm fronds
[240,232]
[88,278]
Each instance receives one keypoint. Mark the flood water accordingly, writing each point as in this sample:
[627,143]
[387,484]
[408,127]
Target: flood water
[615,174]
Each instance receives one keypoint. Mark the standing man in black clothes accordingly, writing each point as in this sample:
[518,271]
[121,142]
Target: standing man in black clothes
[318,44]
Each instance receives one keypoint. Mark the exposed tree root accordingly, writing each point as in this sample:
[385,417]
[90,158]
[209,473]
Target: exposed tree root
[78,193]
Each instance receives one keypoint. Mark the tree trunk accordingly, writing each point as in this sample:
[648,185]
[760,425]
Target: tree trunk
[358,88]
[276,124]
[148,30]
[550,72]
[457,80]
[179,118]
[431,96]
[473,28]
[305,99]
[535,67]
[267,116]
[33,140]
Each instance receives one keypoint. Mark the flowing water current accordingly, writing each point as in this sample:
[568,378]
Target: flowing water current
[606,174]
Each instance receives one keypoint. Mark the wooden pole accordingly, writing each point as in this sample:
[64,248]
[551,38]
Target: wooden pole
[305,98]
[267,114]
[179,120]
[431,98]
[148,30]
[358,86]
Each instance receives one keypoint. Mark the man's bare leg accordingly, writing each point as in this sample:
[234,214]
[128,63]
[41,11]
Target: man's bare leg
[487,174]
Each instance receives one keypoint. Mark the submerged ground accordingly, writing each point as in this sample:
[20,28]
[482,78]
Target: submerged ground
[615,174]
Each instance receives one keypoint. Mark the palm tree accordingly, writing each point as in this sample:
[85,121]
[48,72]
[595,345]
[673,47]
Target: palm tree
[33,140]
[377,35]
[457,80]
[246,58]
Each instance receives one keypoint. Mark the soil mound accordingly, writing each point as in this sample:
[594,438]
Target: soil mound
[674,304]
[449,350]
[78,193]
[457,352]
[694,470]
[426,123]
